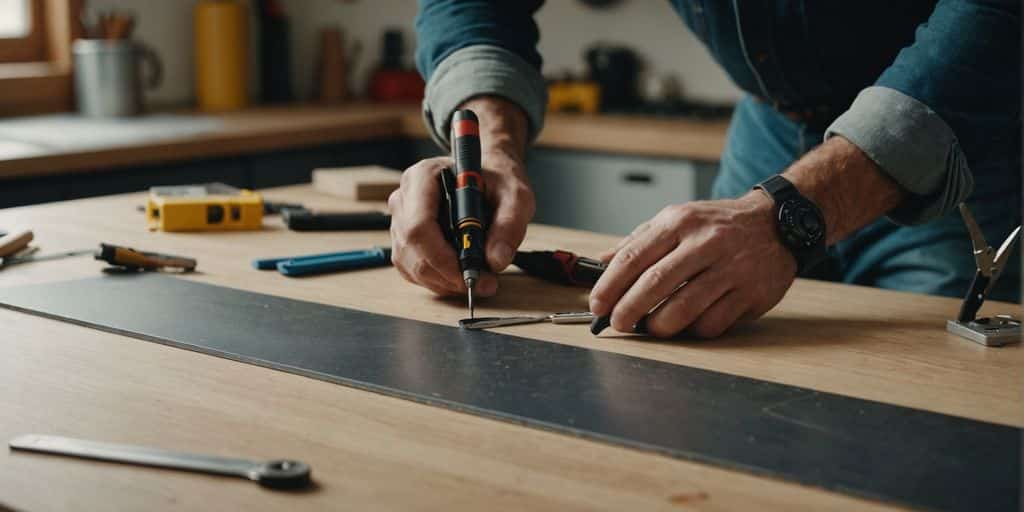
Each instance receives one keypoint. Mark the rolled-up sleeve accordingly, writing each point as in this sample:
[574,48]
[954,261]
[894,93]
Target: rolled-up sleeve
[947,100]
[469,48]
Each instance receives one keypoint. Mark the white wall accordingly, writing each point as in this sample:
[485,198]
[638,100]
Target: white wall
[567,28]
[651,27]
[166,25]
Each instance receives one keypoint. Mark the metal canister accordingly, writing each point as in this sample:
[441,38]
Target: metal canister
[108,76]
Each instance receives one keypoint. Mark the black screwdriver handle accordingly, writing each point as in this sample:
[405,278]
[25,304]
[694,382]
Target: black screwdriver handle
[470,227]
[560,267]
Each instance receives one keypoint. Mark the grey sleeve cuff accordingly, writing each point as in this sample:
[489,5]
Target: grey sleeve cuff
[913,145]
[478,70]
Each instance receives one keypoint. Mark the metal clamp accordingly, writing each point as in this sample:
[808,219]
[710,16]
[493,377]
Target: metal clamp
[1001,329]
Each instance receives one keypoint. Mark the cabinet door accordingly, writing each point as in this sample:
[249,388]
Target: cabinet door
[608,193]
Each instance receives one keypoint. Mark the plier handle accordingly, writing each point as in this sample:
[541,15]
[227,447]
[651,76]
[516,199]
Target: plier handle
[990,263]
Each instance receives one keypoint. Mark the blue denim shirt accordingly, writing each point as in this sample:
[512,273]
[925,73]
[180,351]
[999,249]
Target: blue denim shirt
[928,89]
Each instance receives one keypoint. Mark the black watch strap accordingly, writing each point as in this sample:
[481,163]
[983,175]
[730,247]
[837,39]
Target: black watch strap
[778,187]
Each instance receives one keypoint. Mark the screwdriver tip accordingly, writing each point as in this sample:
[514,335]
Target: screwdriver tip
[469,294]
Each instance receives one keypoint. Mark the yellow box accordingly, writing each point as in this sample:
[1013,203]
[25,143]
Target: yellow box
[574,96]
[205,207]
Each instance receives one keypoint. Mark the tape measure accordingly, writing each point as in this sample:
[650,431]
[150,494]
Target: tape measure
[204,207]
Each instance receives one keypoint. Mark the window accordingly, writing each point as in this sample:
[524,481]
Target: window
[15,19]
[22,37]
[35,55]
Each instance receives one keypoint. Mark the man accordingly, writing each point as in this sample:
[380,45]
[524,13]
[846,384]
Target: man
[867,110]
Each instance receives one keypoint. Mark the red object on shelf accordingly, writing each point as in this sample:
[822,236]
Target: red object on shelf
[396,86]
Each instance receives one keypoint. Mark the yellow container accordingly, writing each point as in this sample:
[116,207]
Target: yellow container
[574,96]
[222,55]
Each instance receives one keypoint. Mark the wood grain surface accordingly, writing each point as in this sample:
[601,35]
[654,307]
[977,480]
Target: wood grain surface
[371,452]
[275,128]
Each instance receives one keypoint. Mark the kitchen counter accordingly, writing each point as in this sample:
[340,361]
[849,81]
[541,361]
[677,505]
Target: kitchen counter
[262,129]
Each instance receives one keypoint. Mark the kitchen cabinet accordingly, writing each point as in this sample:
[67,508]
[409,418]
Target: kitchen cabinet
[611,193]
[605,192]
[253,170]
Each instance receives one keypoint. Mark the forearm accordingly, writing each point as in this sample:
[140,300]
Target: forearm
[850,189]
[504,128]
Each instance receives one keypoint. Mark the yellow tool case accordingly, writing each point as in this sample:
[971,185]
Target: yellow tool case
[204,207]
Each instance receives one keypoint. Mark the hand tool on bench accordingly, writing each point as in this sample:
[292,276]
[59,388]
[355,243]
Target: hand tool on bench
[132,259]
[302,219]
[582,317]
[327,262]
[568,268]
[560,267]
[1001,329]
[276,474]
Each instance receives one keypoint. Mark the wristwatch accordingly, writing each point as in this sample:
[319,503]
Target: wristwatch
[800,223]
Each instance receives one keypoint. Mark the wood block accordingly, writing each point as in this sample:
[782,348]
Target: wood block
[365,183]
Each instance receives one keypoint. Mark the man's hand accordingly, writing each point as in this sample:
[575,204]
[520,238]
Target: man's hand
[724,257]
[717,263]
[420,252]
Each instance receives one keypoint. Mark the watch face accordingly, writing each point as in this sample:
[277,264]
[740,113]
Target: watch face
[800,223]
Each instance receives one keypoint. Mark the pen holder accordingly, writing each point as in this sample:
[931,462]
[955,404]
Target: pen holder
[108,76]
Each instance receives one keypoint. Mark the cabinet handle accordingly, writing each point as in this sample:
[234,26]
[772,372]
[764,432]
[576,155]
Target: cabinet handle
[638,177]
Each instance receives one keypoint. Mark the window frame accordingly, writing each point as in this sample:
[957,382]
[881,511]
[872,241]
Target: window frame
[44,84]
[31,47]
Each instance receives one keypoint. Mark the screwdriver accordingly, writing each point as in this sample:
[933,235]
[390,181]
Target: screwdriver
[469,199]
[128,258]
[560,267]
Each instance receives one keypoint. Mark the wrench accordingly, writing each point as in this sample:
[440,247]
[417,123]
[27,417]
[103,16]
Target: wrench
[277,474]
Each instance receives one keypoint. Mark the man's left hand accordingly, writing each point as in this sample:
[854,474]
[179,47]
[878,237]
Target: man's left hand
[709,264]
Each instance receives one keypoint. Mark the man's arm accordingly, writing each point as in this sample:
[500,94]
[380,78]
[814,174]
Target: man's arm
[947,100]
[850,189]
[470,48]
[716,263]
[479,55]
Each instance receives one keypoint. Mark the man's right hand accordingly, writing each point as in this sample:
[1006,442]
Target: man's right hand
[420,252]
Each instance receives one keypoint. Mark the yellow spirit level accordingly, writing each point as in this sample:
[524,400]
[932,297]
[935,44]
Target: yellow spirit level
[204,207]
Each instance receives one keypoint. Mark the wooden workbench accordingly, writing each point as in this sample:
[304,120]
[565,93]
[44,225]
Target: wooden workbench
[297,126]
[369,451]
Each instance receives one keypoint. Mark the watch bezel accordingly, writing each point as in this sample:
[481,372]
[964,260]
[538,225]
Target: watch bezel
[790,212]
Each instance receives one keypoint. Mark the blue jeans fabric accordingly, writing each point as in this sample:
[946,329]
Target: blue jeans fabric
[934,258]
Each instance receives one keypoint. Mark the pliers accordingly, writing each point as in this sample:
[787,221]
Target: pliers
[990,264]
[473,324]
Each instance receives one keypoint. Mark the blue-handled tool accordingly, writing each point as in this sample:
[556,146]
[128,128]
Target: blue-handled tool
[327,262]
[271,263]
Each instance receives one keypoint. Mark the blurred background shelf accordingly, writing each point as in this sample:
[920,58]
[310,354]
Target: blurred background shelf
[606,156]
